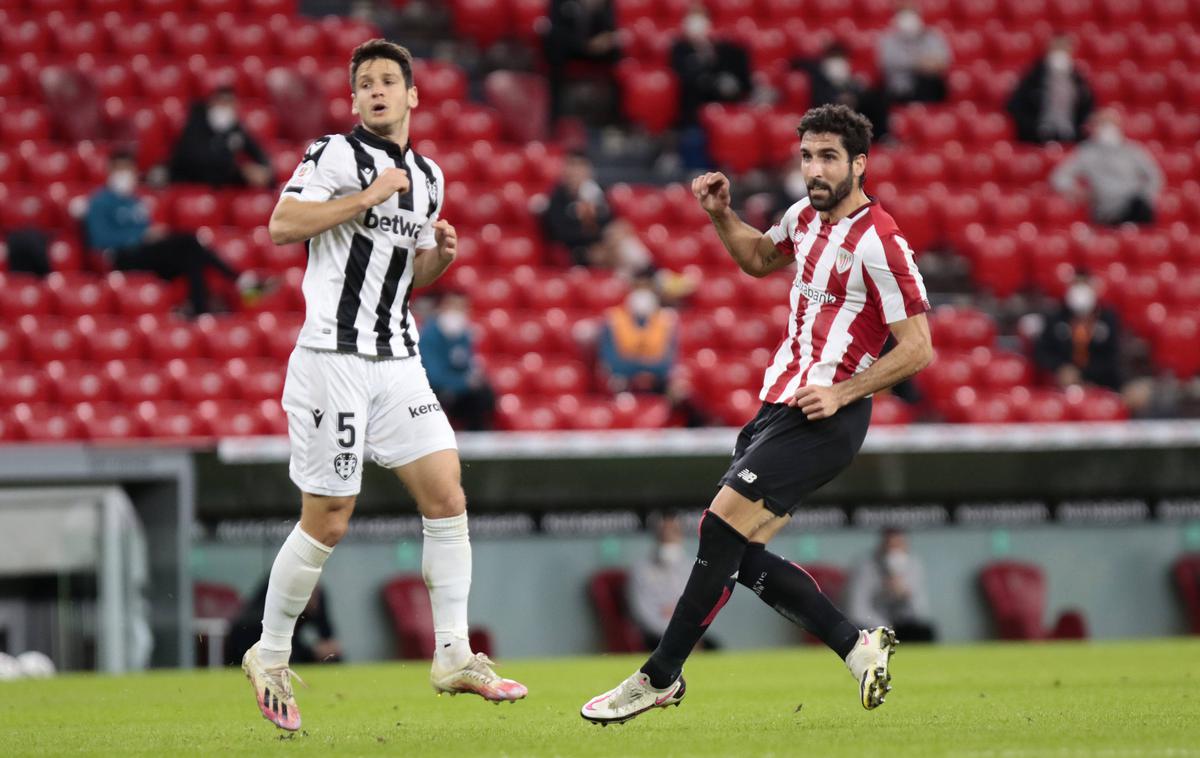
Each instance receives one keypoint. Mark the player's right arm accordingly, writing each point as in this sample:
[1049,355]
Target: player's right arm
[754,252]
[295,220]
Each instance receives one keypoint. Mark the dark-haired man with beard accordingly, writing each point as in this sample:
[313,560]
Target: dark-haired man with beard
[855,281]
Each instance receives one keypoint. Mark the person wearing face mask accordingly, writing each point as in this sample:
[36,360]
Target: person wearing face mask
[118,226]
[1116,177]
[215,149]
[833,82]
[637,343]
[889,588]
[913,59]
[709,69]
[577,212]
[1080,343]
[656,580]
[1052,101]
[448,353]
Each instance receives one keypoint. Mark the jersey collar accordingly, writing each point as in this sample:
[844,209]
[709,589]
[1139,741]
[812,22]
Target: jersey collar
[374,140]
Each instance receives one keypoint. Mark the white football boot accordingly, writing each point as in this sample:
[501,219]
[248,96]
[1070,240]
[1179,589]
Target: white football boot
[868,664]
[631,698]
[476,677]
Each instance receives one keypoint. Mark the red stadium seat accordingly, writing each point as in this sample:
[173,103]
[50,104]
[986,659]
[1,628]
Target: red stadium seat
[998,266]
[80,294]
[138,382]
[1186,574]
[23,383]
[169,421]
[1095,404]
[109,422]
[50,339]
[889,410]
[733,139]
[39,422]
[1016,596]
[79,382]
[107,338]
[229,337]
[12,344]
[514,413]
[172,339]
[649,95]
[139,294]
[197,381]
[23,294]
[225,418]
[258,379]
[1177,346]
[632,411]
[1043,407]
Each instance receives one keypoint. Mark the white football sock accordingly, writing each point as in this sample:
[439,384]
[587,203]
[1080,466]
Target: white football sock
[294,575]
[446,567]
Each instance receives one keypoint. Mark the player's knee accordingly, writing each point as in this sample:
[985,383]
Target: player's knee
[328,519]
[445,503]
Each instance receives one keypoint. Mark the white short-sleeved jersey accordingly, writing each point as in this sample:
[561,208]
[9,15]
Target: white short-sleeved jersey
[853,279]
[359,278]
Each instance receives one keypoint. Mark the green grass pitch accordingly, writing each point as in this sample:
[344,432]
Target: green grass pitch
[979,701]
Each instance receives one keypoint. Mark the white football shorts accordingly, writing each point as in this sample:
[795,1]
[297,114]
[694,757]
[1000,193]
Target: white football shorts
[341,406]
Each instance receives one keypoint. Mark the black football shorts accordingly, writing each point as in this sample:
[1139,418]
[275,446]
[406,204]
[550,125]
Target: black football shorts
[781,457]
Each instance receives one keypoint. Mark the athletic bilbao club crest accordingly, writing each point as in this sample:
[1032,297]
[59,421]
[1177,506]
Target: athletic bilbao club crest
[844,260]
[345,464]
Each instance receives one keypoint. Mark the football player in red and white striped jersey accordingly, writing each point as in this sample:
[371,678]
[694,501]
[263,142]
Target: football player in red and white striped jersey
[855,282]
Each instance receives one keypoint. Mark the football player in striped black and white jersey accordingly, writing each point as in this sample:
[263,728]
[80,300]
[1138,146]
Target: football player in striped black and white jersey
[368,208]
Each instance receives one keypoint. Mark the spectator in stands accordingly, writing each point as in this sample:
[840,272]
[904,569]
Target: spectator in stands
[913,59]
[448,352]
[1052,101]
[118,226]
[888,589]
[1121,181]
[621,249]
[656,581]
[215,149]
[834,82]
[580,31]
[710,70]
[314,641]
[577,212]
[1080,343]
[638,340]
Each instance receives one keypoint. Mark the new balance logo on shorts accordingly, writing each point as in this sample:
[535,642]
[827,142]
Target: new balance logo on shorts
[421,410]
[345,464]
[747,476]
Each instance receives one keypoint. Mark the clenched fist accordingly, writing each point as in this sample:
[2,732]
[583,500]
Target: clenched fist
[447,240]
[390,182]
[712,190]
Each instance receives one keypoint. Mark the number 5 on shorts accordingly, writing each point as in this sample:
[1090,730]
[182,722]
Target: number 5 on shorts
[344,425]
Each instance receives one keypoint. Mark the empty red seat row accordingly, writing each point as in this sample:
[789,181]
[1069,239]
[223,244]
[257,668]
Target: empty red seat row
[134,381]
[106,422]
[126,35]
[1022,404]
[581,411]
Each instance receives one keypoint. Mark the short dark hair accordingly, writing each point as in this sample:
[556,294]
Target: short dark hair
[853,127]
[381,48]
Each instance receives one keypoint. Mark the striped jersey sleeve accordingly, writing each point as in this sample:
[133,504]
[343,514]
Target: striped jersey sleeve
[320,173]
[426,238]
[783,232]
[888,263]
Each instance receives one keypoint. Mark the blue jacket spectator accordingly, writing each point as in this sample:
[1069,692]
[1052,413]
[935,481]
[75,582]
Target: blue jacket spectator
[448,352]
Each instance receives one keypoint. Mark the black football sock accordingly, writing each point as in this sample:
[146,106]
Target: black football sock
[794,594]
[708,588]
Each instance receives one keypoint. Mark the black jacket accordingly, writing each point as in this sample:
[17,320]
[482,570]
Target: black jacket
[1025,103]
[202,156]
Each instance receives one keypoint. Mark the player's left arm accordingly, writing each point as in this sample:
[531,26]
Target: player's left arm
[432,262]
[913,352]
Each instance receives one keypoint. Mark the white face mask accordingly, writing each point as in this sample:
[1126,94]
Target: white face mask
[222,118]
[452,323]
[696,26]
[1058,61]
[909,23]
[641,303]
[122,182]
[795,186]
[1108,135]
[837,70]
[1080,299]
[671,552]
[895,561]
